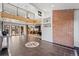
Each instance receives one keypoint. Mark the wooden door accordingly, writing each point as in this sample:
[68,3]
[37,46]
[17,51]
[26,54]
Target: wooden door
[63,25]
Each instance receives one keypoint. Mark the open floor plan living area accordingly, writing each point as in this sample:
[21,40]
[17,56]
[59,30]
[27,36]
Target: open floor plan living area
[39,29]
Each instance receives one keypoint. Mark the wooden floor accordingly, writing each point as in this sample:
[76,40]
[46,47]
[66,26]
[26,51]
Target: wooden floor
[17,48]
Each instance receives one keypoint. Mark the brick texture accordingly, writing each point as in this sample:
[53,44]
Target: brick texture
[63,25]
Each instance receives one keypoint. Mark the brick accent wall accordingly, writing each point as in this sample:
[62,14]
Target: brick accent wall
[63,27]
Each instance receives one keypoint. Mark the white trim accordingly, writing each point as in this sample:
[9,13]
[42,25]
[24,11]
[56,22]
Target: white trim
[76,28]
[75,51]
[9,52]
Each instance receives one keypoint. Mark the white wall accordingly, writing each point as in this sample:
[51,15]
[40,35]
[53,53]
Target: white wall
[76,28]
[0,26]
[0,7]
[0,10]
[47,32]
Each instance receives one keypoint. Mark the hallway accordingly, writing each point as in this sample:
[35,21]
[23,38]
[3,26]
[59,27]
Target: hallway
[50,29]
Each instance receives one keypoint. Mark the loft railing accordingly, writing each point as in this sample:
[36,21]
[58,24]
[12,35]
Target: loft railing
[14,10]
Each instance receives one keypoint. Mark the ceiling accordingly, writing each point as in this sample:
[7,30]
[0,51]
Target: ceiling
[48,7]
[56,6]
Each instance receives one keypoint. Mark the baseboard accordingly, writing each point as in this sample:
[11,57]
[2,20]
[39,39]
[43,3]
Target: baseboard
[77,48]
[64,46]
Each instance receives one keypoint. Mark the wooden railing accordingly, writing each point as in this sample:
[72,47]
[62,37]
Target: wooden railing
[12,12]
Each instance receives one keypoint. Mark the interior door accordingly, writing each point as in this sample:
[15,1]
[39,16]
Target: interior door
[63,25]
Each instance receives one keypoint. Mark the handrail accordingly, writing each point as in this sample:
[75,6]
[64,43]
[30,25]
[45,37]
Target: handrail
[13,14]
[18,8]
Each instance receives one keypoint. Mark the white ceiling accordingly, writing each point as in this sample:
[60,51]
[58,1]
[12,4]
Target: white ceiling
[57,6]
[48,7]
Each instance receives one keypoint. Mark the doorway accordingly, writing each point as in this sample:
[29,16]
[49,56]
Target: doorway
[34,32]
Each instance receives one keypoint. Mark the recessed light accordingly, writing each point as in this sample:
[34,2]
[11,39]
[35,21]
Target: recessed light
[52,6]
[44,9]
